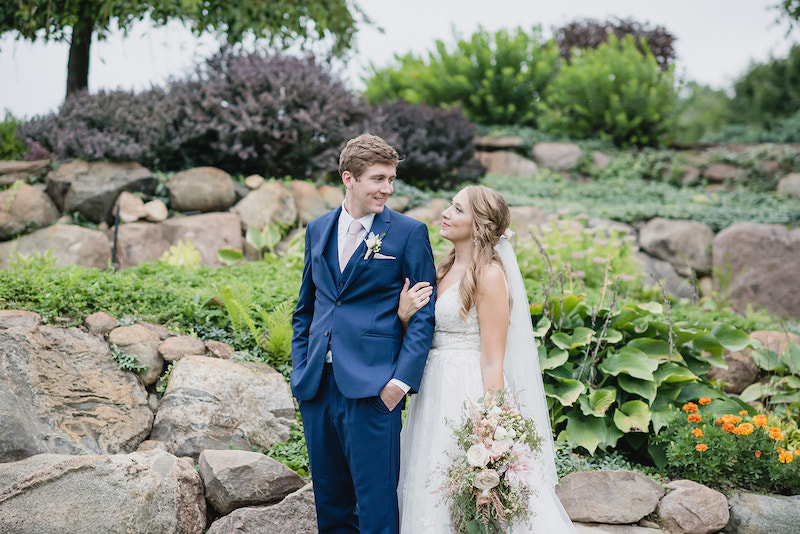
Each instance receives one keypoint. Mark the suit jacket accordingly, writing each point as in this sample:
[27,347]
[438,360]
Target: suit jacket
[354,313]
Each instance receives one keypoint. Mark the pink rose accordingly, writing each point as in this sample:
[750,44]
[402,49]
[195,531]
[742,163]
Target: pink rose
[478,455]
[486,479]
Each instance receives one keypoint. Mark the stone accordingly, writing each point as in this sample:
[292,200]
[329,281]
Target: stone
[398,203]
[157,329]
[527,220]
[758,264]
[63,393]
[155,211]
[763,514]
[507,163]
[24,208]
[25,171]
[295,514]
[234,479]
[100,323]
[175,348]
[310,204]
[137,493]
[600,159]
[270,203]
[142,343]
[201,189]
[693,508]
[770,168]
[557,156]
[721,172]
[254,181]
[151,445]
[685,244]
[71,245]
[507,142]
[790,185]
[615,497]
[334,196]
[12,318]
[218,349]
[662,272]
[131,207]
[92,188]
[689,175]
[430,214]
[220,404]
[602,528]
[742,369]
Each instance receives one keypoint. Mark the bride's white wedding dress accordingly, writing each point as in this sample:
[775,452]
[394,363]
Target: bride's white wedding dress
[453,375]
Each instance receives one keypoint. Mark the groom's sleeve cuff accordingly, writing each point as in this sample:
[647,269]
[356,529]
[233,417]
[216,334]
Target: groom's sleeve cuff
[402,385]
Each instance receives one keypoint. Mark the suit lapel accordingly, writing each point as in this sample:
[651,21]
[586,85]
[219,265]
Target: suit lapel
[380,225]
[319,254]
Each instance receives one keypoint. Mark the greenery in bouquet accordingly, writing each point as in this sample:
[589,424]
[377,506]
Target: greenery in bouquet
[745,450]
[487,484]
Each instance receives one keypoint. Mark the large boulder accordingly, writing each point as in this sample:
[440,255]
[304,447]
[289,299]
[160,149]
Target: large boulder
[692,508]
[71,245]
[295,514]
[759,265]
[11,318]
[662,272]
[201,189]
[243,478]
[721,172]
[137,493]
[92,188]
[557,156]
[219,404]
[26,171]
[140,342]
[763,514]
[24,208]
[333,195]
[63,393]
[507,163]
[685,244]
[270,203]
[615,497]
[310,203]
[790,185]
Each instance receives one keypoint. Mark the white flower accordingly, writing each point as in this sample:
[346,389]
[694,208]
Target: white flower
[502,434]
[374,242]
[486,479]
[499,447]
[478,455]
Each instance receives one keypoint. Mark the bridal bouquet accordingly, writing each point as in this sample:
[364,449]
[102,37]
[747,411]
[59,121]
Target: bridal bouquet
[487,482]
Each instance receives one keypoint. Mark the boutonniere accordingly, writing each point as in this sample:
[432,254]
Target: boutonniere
[374,242]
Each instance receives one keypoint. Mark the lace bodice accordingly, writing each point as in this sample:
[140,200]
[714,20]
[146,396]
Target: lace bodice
[452,331]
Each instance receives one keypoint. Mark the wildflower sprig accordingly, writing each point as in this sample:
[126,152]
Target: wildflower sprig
[729,450]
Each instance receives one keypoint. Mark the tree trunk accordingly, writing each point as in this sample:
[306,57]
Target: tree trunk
[78,64]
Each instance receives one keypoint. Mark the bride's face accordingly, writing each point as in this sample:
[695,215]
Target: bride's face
[457,219]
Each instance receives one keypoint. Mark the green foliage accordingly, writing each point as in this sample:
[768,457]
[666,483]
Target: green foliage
[779,393]
[769,90]
[293,453]
[701,112]
[126,361]
[778,130]
[496,78]
[729,452]
[182,254]
[11,146]
[613,92]
[569,461]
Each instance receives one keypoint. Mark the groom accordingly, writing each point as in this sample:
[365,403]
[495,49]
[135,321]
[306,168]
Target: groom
[352,363]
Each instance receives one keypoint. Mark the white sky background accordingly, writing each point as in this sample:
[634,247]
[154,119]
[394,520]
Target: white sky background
[716,41]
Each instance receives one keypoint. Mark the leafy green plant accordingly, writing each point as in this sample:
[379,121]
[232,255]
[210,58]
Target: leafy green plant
[613,92]
[182,254]
[127,361]
[11,146]
[293,453]
[781,392]
[729,450]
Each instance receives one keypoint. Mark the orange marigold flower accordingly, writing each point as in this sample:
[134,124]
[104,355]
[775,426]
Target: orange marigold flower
[760,420]
[745,429]
[775,433]
[743,412]
[728,427]
[694,418]
[780,449]
[699,433]
[786,457]
[797,452]
[704,401]
[701,447]
[758,454]
[689,407]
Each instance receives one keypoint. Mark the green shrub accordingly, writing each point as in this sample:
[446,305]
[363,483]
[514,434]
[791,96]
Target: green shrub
[769,90]
[702,112]
[11,146]
[435,144]
[614,93]
[496,78]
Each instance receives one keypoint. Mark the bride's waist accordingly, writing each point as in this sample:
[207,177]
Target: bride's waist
[446,341]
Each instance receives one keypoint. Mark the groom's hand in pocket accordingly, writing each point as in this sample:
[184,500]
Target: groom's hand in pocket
[391,395]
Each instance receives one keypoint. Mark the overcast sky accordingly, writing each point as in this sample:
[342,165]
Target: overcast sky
[716,42]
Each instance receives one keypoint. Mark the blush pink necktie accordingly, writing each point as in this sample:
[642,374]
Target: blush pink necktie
[350,244]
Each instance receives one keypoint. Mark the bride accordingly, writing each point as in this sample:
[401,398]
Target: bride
[483,342]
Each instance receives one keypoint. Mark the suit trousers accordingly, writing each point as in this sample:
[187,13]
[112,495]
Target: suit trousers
[354,452]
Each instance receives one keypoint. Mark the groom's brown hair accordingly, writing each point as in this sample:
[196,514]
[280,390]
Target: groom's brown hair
[365,150]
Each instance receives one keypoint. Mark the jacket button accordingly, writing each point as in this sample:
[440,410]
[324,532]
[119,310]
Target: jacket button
[326,333]
[338,302]
[341,284]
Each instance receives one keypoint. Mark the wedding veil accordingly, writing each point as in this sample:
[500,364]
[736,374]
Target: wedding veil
[521,363]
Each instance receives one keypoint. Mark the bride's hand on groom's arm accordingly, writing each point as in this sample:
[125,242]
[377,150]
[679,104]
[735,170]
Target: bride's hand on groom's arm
[412,299]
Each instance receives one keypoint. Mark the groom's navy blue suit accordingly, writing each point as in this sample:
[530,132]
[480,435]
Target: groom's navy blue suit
[352,437]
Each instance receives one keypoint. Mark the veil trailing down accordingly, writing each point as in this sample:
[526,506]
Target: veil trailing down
[452,376]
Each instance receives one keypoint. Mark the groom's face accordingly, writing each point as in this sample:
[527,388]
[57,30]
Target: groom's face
[369,193]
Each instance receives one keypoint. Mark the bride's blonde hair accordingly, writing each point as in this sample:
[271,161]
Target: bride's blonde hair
[490,219]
